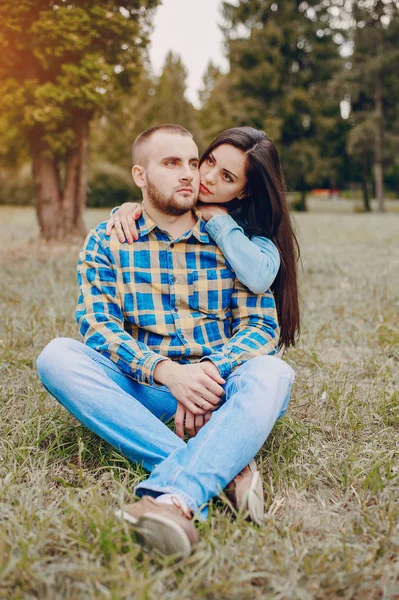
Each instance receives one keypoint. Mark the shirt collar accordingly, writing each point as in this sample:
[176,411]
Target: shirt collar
[199,231]
[146,225]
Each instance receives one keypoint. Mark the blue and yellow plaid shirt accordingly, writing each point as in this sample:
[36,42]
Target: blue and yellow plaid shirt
[164,298]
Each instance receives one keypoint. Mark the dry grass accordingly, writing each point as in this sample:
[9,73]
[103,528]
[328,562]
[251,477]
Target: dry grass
[330,467]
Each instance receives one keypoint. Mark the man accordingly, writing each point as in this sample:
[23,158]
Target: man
[169,330]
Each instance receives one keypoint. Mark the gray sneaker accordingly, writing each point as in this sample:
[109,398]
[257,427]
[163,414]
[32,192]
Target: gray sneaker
[163,527]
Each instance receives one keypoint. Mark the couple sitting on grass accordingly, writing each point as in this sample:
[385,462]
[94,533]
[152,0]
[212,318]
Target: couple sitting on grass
[185,321]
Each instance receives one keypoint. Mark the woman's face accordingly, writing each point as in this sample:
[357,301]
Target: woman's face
[222,175]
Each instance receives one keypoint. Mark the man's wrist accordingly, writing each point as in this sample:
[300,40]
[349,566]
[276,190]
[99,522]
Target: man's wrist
[221,362]
[163,370]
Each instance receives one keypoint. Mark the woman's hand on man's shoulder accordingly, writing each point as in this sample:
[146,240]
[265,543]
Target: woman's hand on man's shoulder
[124,220]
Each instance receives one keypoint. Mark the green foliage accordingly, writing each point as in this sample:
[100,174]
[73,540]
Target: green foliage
[281,62]
[16,186]
[61,60]
[371,81]
[169,104]
[217,112]
[154,101]
[110,185]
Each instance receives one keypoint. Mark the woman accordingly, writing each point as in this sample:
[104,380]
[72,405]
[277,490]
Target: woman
[243,199]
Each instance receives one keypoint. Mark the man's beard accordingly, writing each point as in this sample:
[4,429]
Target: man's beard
[170,205]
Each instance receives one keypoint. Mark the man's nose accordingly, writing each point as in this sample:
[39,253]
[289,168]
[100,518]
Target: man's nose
[187,174]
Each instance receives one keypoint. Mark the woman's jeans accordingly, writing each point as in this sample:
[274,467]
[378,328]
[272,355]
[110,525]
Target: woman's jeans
[130,416]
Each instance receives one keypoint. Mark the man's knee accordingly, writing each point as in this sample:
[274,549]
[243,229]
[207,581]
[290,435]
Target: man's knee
[262,368]
[54,355]
[270,380]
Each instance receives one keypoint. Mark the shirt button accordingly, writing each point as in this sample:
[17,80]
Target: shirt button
[172,246]
[176,309]
[172,279]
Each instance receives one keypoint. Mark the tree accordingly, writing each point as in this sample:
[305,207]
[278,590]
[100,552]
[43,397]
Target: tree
[62,63]
[371,29]
[157,100]
[361,147]
[376,31]
[128,116]
[217,112]
[281,62]
[169,103]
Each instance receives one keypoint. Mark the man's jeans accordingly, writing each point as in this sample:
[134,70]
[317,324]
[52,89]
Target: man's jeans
[130,416]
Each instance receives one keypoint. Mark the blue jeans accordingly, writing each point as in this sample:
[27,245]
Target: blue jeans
[131,416]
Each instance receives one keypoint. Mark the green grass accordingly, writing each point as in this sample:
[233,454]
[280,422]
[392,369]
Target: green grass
[330,467]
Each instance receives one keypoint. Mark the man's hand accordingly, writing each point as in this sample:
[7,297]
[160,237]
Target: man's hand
[186,420]
[197,387]
[211,210]
[211,369]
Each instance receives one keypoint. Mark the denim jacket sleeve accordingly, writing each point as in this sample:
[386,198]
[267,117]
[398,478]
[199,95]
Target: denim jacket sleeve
[258,252]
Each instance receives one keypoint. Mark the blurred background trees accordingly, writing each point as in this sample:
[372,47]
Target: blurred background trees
[63,63]
[319,76]
[373,84]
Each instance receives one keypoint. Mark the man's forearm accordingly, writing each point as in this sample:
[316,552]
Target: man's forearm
[135,359]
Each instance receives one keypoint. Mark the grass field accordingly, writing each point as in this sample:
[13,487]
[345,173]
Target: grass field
[330,467]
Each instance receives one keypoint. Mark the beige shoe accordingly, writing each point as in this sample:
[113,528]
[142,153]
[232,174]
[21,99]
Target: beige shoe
[246,493]
[163,527]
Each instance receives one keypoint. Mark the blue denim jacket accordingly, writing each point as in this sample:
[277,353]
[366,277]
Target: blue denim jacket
[255,261]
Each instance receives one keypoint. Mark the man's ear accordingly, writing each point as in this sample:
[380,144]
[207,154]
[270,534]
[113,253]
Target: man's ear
[138,173]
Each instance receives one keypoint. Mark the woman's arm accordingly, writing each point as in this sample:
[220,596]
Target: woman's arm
[256,261]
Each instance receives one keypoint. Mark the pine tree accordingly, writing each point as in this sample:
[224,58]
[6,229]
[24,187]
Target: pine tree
[282,59]
[373,85]
[157,100]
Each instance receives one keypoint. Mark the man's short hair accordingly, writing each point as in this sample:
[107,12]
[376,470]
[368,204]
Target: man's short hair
[138,156]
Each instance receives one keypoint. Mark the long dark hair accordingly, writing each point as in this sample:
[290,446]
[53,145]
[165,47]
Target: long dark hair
[265,212]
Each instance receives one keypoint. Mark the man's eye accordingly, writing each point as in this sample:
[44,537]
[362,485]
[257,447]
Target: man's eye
[194,166]
[171,162]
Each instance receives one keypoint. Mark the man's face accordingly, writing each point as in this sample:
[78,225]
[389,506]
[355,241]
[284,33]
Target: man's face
[171,173]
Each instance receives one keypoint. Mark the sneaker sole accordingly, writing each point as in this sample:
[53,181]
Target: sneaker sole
[256,502]
[159,533]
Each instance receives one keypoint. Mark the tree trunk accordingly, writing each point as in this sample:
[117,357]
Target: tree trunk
[302,205]
[379,172]
[81,196]
[60,215]
[365,190]
[48,190]
[70,189]
[75,193]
